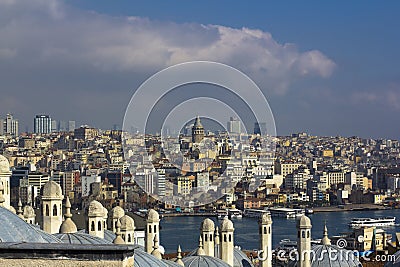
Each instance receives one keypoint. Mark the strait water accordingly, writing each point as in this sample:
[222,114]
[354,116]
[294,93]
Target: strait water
[186,230]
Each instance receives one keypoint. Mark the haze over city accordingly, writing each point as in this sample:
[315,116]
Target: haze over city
[325,68]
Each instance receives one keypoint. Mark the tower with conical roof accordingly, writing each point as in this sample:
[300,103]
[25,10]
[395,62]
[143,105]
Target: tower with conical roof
[304,241]
[197,131]
[152,229]
[179,257]
[227,244]
[52,207]
[207,233]
[96,219]
[266,240]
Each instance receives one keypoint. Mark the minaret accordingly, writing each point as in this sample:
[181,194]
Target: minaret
[207,233]
[179,257]
[5,175]
[325,239]
[304,241]
[115,214]
[96,219]
[128,229]
[156,252]
[52,207]
[217,251]
[227,241]
[68,226]
[152,229]
[118,239]
[266,240]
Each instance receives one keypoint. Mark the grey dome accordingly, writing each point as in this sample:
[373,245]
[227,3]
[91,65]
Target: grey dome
[81,238]
[395,262]
[324,256]
[203,261]
[143,259]
[109,236]
[14,229]
[240,259]
[4,164]
[171,263]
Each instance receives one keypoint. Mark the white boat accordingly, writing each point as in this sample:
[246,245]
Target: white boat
[369,222]
[254,213]
[235,214]
[222,214]
[286,213]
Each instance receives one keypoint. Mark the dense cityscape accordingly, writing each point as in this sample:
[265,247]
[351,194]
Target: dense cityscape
[102,170]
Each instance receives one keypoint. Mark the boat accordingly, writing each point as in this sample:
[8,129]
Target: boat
[286,213]
[222,214]
[254,213]
[235,214]
[309,211]
[369,222]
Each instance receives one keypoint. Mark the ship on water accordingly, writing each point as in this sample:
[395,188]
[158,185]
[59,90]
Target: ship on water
[369,222]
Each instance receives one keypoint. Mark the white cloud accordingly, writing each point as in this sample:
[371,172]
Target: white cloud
[50,33]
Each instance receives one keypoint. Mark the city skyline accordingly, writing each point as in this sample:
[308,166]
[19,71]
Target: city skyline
[332,73]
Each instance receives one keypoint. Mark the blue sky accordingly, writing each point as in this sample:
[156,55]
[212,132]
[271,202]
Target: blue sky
[353,89]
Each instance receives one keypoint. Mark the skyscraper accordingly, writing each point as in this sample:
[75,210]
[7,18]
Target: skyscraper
[42,124]
[71,126]
[233,125]
[10,125]
[260,128]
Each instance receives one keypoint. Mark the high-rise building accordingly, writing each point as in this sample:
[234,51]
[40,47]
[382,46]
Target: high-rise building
[234,126]
[71,126]
[62,126]
[54,127]
[42,124]
[10,125]
[1,126]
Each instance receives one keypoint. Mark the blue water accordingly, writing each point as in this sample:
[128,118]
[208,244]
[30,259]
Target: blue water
[186,230]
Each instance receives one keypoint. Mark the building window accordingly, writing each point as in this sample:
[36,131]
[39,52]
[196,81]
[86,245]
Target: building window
[230,238]
[47,210]
[265,230]
[129,238]
[55,210]
[92,226]
[205,238]
[150,229]
[99,226]
[155,228]
[308,234]
[224,237]
[303,234]
[211,238]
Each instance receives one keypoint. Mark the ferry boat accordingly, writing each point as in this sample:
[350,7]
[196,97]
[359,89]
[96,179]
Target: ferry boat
[368,222]
[222,214]
[235,214]
[286,213]
[254,213]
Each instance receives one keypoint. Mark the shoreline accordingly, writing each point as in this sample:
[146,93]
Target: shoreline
[351,207]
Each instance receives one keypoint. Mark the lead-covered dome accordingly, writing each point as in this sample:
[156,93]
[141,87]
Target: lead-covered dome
[331,255]
[28,212]
[14,229]
[204,261]
[4,164]
[81,238]
[143,259]
[52,189]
